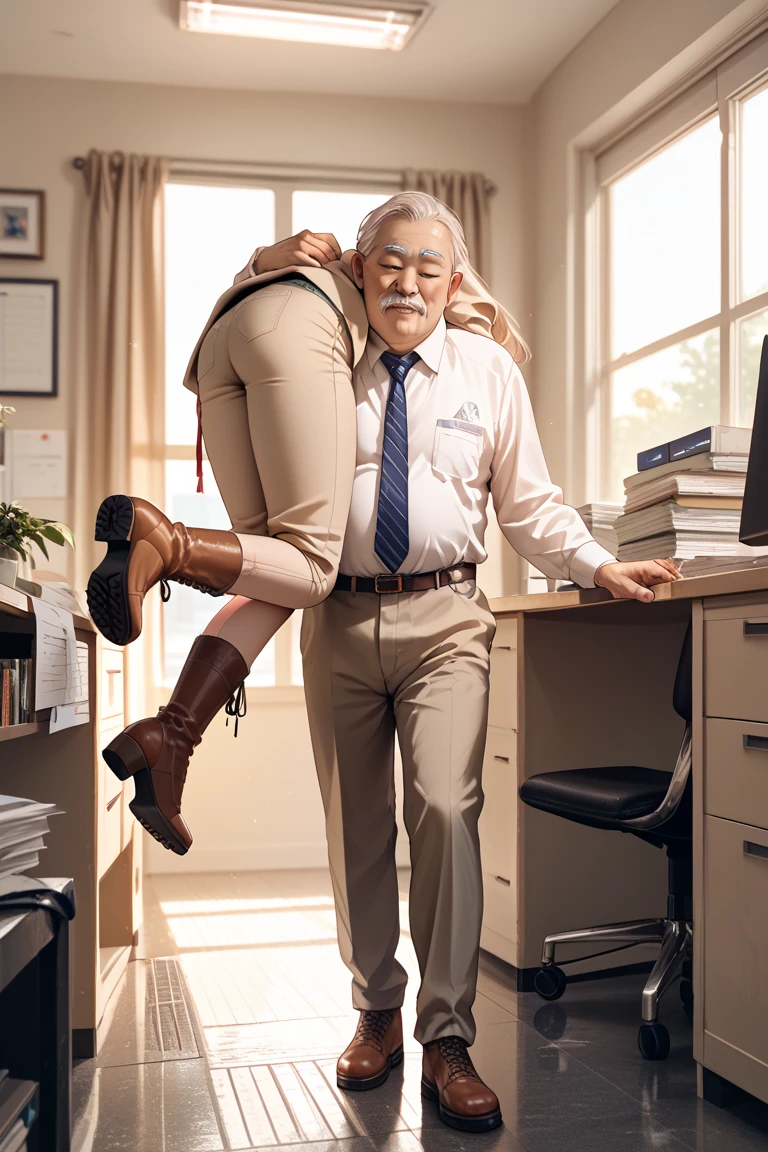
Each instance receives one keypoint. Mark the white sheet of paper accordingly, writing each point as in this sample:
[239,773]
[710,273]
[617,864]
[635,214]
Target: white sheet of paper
[26,337]
[37,463]
[57,673]
[69,715]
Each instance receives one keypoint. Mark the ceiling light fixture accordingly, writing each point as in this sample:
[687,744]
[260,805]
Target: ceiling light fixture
[358,24]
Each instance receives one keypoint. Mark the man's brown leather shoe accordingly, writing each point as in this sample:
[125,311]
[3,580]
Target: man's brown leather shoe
[156,751]
[449,1078]
[376,1048]
[143,548]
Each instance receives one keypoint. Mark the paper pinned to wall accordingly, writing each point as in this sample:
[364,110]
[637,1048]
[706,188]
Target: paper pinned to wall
[58,677]
[37,463]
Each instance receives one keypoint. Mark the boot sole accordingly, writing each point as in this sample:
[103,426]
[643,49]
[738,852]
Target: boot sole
[359,1084]
[483,1123]
[125,758]
[107,590]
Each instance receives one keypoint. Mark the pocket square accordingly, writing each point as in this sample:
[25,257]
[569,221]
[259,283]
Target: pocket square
[468,411]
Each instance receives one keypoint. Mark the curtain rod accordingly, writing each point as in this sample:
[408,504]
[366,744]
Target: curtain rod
[325,173]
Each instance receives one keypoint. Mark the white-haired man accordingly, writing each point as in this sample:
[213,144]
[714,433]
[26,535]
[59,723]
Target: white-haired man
[402,643]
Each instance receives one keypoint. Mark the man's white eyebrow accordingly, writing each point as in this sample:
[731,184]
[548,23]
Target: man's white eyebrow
[394,248]
[430,252]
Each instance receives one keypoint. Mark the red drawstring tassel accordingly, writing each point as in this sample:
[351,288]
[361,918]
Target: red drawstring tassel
[199,448]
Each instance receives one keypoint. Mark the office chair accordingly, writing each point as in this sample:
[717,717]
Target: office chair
[655,806]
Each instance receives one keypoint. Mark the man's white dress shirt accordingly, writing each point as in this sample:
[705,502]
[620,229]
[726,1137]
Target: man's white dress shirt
[471,431]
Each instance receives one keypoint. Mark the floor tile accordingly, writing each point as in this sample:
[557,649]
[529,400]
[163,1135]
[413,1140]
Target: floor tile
[607,1134]
[277,1043]
[162,1107]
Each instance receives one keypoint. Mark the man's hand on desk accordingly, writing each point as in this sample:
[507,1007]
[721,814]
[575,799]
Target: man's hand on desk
[313,249]
[633,581]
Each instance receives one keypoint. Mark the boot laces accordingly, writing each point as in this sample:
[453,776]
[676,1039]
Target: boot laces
[237,705]
[372,1027]
[454,1052]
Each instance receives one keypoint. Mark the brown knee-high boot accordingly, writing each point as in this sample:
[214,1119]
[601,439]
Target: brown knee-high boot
[156,751]
[144,548]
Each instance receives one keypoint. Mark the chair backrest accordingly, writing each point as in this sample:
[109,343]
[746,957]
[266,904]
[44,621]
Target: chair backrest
[682,698]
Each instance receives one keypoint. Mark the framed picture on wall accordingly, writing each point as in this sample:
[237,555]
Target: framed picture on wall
[29,337]
[22,224]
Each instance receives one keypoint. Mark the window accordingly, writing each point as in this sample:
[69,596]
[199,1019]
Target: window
[683,282]
[210,232]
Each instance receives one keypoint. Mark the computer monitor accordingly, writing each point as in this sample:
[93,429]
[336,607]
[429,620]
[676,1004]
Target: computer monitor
[754,513]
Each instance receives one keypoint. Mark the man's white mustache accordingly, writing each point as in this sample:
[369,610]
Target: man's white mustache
[396,300]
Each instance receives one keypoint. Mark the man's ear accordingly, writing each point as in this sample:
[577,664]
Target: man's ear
[454,286]
[357,268]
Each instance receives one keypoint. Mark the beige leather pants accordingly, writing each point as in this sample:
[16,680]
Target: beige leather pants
[278,415]
[417,664]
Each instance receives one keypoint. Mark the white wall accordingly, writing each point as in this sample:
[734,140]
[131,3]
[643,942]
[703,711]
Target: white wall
[251,801]
[639,50]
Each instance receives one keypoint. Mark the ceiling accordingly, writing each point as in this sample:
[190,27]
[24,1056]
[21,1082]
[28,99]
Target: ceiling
[468,50]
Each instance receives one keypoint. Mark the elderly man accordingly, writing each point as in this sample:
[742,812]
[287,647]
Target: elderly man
[402,643]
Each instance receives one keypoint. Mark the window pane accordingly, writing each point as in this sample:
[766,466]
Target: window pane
[665,242]
[754,194]
[188,612]
[338,212]
[753,332]
[210,231]
[659,398]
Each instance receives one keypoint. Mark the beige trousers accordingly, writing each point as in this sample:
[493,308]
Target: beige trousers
[415,663]
[278,416]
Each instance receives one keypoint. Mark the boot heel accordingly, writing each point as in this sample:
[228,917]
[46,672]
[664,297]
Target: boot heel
[124,757]
[114,520]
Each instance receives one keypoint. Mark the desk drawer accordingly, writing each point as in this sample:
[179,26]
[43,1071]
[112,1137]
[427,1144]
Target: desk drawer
[499,907]
[735,961]
[111,687]
[502,702]
[112,831]
[736,666]
[736,771]
[498,820]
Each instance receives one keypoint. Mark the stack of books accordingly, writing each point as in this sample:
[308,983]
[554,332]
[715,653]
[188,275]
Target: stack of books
[690,505]
[600,520]
[23,826]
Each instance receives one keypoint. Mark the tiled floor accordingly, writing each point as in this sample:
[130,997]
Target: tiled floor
[226,1036]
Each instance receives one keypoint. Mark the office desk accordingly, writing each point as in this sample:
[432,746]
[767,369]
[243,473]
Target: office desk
[578,680]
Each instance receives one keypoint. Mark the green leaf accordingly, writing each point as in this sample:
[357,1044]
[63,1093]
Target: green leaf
[59,533]
[37,538]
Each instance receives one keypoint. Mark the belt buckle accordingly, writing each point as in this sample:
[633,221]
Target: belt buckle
[381,587]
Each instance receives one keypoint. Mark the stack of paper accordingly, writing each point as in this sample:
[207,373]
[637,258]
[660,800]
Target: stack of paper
[686,508]
[600,518]
[23,826]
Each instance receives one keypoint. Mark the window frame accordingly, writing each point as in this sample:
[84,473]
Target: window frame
[284,690]
[719,92]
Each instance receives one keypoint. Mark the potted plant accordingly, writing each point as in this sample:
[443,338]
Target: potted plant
[19,531]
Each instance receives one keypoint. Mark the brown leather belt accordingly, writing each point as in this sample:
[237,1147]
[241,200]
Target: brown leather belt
[396,582]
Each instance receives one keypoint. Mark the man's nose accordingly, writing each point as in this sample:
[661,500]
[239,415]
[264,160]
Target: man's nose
[406,282]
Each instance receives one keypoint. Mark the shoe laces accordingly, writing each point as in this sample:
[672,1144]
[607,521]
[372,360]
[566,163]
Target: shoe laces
[454,1052]
[372,1027]
[237,705]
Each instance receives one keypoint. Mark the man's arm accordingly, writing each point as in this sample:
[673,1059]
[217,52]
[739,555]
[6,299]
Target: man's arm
[548,533]
[307,249]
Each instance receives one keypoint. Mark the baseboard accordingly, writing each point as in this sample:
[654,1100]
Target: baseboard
[260,858]
[83,1043]
[522,978]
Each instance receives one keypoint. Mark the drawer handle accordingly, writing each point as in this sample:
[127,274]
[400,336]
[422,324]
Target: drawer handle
[503,647]
[503,880]
[752,849]
[113,801]
[505,759]
[756,627]
[757,743]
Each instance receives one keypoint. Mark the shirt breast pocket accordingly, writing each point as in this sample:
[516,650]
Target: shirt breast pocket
[456,450]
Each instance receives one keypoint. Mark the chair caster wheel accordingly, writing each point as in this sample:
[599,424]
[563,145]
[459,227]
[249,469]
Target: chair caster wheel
[653,1041]
[550,982]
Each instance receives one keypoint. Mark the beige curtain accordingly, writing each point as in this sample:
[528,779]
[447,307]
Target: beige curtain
[120,378]
[468,194]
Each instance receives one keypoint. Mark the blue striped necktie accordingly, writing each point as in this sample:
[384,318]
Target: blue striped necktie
[391,543]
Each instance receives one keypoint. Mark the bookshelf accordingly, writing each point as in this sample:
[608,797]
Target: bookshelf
[96,842]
